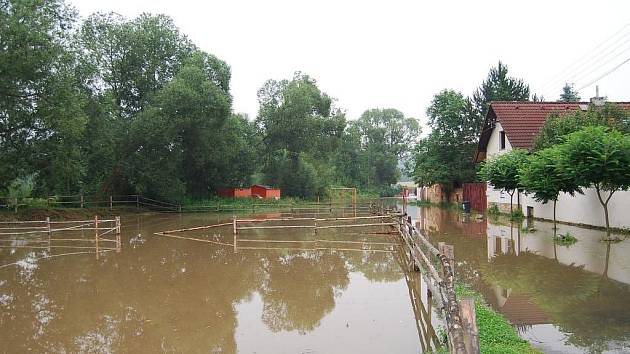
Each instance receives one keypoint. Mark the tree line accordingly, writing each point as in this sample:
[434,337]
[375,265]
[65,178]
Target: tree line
[120,106]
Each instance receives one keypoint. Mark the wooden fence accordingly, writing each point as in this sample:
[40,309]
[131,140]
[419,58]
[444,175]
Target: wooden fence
[438,266]
[475,193]
[95,234]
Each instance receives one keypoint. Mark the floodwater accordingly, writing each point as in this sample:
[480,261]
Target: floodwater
[562,299]
[172,295]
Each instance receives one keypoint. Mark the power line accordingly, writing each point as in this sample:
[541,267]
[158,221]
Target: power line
[580,75]
[605,74]
[585,58]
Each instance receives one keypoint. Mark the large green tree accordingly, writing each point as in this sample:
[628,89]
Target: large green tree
[445,156]
[175,137]
[300,130]
[41,118]
[499,86]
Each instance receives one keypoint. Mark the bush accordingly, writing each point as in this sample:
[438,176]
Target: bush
[517,214]
[389,191]
[21,188]
[494,210]
[564,239]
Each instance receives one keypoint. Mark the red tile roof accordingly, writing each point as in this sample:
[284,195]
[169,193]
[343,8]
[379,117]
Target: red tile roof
[522,121]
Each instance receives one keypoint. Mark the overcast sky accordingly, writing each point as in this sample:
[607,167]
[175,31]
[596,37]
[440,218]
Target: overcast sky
[399,54]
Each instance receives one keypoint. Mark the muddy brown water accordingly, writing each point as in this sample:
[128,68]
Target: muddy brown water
[562,299]
[166,295]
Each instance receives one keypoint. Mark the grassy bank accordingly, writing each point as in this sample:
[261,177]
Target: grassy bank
[496,335]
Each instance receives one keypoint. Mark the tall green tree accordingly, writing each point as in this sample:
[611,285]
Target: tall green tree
[176,136]
[445,156]
[569,94]
[599,157]
[298,123]
[502,172]
[40,106]
[545,175]
[499,86]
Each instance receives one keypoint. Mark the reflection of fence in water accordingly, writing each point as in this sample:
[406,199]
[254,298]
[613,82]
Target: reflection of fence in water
[103,235]
[460,319]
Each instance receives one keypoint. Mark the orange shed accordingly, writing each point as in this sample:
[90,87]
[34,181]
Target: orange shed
[235,192]
[267,192]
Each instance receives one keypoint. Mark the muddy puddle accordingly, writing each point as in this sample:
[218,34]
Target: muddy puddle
[172,295]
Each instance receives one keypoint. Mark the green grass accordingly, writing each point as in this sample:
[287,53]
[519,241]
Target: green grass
[564,239]
[496,335]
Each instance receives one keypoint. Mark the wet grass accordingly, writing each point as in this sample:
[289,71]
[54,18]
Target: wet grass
[496,335]
[564,239]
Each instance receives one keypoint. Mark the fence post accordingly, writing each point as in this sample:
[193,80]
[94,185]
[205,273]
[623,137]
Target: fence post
[469,319]
[137,201]
[118,240]
[95,233]
[111,203]
[234,228]
[81,201]
[48,230]
[16,205]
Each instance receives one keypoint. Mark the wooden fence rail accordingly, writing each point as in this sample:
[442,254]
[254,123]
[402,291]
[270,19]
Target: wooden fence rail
[438,264]
[42,234]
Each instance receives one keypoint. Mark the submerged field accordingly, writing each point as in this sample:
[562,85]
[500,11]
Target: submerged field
[163,294]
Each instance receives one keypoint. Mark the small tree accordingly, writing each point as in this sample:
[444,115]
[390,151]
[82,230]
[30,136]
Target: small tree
[599,157]
[502,171]
[569,94]
[20,189]
[545,175]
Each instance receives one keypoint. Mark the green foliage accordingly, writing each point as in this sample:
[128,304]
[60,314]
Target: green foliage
[546,175]
[517,214]
[568,94]
[565,239]
[498,86]
[494,210]
[502,171]
[21,188]
[599,157]
[389,191]
[557,126]
[446,155]
[496,334]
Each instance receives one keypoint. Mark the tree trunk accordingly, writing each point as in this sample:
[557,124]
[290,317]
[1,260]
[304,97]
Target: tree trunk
[607,222]
[605,206]
[554,215]
[511,198]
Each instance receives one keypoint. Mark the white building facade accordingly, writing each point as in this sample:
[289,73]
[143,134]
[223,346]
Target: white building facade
[579,209]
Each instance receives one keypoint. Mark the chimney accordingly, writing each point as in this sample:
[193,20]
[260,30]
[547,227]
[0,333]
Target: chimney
[598,101]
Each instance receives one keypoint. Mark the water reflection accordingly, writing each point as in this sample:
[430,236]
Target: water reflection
[165,295]
[562,298]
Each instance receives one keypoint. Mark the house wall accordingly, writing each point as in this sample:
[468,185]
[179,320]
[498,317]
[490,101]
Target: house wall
[581,209]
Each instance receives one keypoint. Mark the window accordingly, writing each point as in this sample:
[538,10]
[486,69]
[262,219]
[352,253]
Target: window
[502,140]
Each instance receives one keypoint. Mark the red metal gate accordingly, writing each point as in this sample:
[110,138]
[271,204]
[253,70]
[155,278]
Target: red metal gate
[475,193]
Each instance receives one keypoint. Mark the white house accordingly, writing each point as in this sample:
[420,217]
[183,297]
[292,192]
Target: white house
[511,125]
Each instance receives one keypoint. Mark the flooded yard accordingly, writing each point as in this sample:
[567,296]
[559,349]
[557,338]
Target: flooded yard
[562,299]
[170,295]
